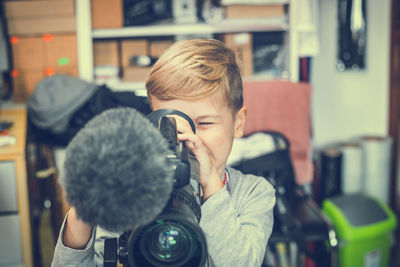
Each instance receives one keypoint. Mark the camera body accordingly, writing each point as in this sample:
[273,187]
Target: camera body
[173,238]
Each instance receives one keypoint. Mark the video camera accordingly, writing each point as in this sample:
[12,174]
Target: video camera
[173,238]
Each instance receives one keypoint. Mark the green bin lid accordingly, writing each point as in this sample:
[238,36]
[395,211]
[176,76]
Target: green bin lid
[359,217]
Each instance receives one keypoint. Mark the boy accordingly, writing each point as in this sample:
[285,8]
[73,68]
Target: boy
[200,78]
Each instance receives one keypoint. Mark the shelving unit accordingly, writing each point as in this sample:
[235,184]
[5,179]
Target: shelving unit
[15,222]
[86,35]
[248,25]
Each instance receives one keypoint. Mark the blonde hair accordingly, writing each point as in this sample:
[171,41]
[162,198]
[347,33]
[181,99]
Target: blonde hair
[194,69]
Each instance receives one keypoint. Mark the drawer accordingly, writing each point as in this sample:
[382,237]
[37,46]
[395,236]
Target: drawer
[10,241]
[8,187]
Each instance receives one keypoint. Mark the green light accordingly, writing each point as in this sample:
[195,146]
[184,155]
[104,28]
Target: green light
[160,221]
[63,61]
[167,256]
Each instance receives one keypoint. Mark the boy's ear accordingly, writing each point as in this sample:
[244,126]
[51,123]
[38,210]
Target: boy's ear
[240,119]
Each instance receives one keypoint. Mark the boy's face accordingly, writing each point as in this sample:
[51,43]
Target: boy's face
[215,125]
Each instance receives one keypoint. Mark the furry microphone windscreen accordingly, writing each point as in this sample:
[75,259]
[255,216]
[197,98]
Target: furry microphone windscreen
[116,172]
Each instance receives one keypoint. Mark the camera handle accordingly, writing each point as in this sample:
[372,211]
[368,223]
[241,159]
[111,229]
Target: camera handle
[156,115]
[110,252]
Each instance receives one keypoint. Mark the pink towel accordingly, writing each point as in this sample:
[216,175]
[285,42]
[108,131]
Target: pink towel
[283,106]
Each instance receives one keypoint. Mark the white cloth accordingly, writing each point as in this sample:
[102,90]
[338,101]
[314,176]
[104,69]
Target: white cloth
[306,27]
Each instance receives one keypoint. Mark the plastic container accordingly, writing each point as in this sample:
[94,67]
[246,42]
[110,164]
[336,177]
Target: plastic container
[364,226]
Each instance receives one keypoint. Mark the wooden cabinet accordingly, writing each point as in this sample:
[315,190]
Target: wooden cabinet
[15,227]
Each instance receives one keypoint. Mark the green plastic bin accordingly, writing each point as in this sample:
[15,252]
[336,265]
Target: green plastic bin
[364,226]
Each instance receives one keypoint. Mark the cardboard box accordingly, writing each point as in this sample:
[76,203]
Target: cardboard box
[34,26]
[60,50]
[253,11]
[106,53]
[38,53]
[157,48]
[24,83]
[130,48]
[135,74]
[66,70]
[27,53]
[241,44]
[107,14]
[39,9]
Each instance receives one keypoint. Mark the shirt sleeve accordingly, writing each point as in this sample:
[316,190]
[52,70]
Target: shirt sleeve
[237,227]
[68,257]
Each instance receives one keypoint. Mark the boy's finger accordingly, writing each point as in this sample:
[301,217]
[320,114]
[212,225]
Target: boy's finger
[194,143]
[194,139]
[182,124]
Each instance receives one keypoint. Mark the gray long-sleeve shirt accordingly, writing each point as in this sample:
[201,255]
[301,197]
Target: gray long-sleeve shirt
[237,223]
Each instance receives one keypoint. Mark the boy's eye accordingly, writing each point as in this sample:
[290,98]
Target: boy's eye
[205,125]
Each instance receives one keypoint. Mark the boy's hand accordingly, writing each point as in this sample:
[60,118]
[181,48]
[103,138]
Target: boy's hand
[209,179]
[76,233]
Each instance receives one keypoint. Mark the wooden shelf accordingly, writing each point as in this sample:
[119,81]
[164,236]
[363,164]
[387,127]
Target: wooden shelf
[139,88]
[226,26]
[18,130]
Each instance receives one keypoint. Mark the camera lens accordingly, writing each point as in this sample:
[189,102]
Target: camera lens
[167,243]
[168,239]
